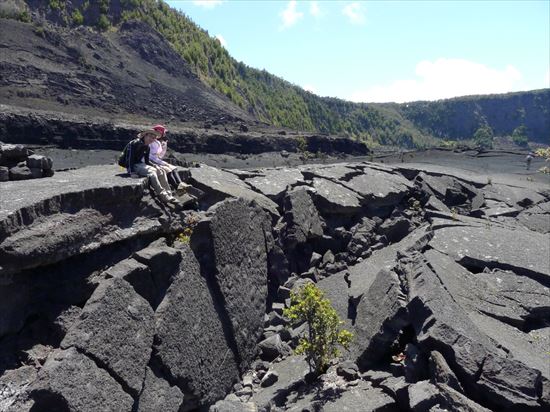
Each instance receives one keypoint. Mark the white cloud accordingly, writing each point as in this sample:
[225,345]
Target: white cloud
[207,4]
[314,9]
[222,40]
[290,15]
[310,88]
[444,78]
[354,12]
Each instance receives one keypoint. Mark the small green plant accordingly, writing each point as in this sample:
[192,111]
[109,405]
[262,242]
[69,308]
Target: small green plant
[185,235]
[78,18]
[103,23]
[323,324]
[301,144]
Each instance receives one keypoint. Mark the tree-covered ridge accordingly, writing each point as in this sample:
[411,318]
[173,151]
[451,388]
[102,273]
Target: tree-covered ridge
[279,102]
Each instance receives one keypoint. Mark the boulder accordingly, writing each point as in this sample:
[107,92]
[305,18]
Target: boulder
[301,217]
[13,153]
[381,314]
[72,381]
[20,172]
[534,218]
[4,174]
[193,342]
[272,348]
[378,188]
[14,396]
[115,327]
[136,274]
[275,182]
[441,324]
[422,396]
[496,247]
[162,263]
[362,397]
[231,246]
[39,162]
[218,185]
[395,229]
[334,198]
[441,373]
[158,395]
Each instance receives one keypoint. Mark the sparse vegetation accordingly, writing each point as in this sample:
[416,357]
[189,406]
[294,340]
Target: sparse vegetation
[78,19]
[519,136]
[483,137]
[324,334]
[103,22]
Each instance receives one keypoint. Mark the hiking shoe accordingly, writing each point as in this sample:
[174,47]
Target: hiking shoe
[182,188]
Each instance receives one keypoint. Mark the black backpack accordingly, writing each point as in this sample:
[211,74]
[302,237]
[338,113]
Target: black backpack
[124,158]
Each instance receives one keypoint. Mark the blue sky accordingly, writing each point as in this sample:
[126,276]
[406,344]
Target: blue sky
[379,51]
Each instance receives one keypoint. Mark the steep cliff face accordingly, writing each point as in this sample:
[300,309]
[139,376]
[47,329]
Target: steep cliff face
[459,118]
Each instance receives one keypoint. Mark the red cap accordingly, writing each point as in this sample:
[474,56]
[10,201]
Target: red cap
[160,128]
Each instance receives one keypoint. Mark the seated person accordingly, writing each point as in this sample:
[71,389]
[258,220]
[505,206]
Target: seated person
[158,150]
[135,158]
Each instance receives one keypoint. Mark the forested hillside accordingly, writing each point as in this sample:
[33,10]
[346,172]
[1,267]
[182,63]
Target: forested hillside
[276,101]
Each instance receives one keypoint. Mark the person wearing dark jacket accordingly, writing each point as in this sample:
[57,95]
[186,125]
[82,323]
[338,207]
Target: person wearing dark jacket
[137,162]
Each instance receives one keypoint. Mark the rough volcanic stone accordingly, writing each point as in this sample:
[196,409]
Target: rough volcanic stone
[441,373]
[301,217]
[397,387]
[453,400]
[193,344]
[333,198]
[513,195]
[231,245]
[362,397]
[362,236]
[335,172]
[39,162]
[163,263]
[275,182]
[4,174]
[115,327]
[535,218]
[13,389]
[20,172]
[335,288]
[75,212]
[71,381]
[158,395]
[136,274]
[422,396]
[273,347]
[381,314]
[36,173]
[227,405]
[363,274]
[269,379]
[494,246]
[379,188]
[442,324]
[500,294]
[291,371]
[220,184]
[13,152]
[395,229]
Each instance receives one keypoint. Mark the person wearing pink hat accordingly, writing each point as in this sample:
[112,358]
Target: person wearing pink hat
[158,151]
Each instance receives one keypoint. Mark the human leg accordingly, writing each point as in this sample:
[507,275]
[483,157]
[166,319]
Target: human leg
[151,172]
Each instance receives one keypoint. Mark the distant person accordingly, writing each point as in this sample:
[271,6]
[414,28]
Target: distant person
[135,158]
[158,151]
[529,159]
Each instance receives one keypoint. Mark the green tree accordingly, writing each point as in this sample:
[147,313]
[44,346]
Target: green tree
[483,137]
[324,334]
[519,136]
[103,23]
[78,19]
